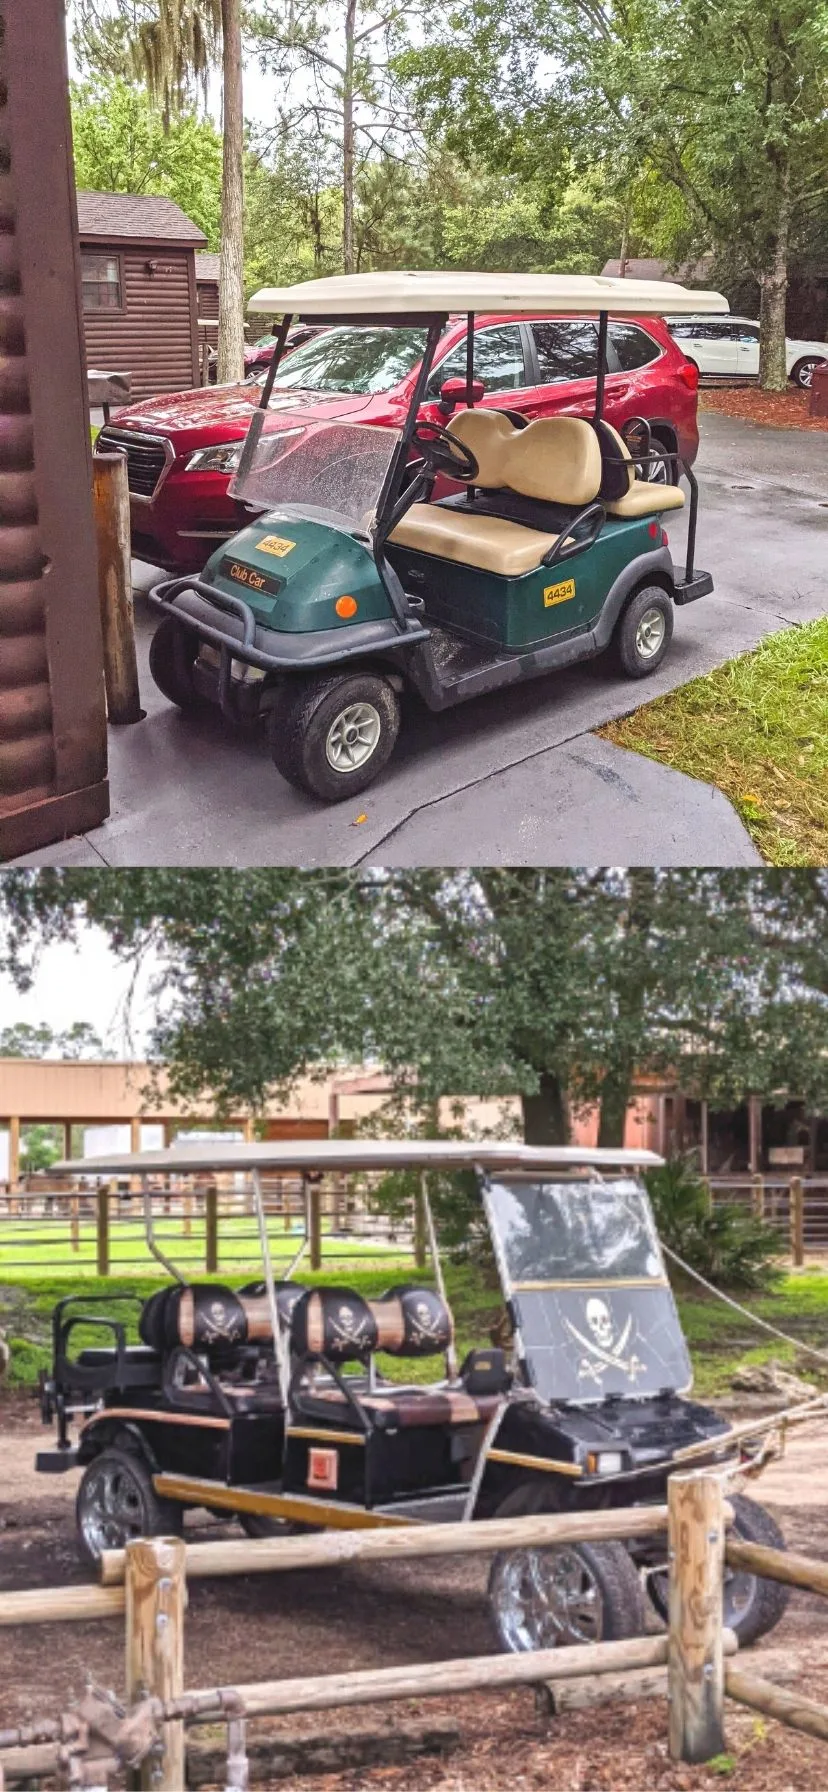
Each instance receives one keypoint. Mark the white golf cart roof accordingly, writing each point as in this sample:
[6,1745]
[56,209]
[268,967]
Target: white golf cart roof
[435,293]
[367,1154]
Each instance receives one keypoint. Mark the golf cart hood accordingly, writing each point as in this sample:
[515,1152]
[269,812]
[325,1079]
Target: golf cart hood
[582,1269]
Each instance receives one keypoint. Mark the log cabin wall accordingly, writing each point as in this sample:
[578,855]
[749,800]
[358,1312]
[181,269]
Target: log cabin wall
[52,715]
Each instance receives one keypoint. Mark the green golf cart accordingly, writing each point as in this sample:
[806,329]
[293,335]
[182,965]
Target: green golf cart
[449,557]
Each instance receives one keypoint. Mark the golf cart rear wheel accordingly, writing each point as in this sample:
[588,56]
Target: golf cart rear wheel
[752,1606]
[573,1593]
[333,736]
[117,1501]
[172,656]
[644,631]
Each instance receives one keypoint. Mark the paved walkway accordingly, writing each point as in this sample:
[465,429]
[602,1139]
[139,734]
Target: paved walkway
[516,777]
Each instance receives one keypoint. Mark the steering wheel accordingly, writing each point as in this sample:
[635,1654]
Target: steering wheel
[443,452]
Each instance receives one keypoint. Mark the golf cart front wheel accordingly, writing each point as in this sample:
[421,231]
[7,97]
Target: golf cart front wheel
[751,1606]
[172,656]
[644,631]
[573,1593]
[333,736]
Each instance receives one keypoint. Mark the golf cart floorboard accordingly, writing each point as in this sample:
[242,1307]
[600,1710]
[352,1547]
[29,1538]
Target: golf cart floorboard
[456,659]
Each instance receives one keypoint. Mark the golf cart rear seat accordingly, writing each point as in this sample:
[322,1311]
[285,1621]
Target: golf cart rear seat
[554,461]
[333,1326]
[622,492]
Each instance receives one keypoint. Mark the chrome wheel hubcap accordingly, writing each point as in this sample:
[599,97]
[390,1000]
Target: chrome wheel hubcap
[112,1510]
[650,633]
[353,737]
[545,1597]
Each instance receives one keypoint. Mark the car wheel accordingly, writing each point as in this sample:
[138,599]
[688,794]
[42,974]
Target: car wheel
[172,656]
[643,632]
[117,1501]
[803,373]
[333,736]
[573,1593]
[662,472]
[752,1606]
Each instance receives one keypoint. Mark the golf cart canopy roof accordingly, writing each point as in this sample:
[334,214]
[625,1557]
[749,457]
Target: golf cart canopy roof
[425,294]
[367,1154]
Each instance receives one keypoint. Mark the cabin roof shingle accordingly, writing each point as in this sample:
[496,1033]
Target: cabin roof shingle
[145,216]
[207,266]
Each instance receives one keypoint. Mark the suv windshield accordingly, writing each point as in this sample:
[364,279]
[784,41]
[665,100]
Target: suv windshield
[352,360]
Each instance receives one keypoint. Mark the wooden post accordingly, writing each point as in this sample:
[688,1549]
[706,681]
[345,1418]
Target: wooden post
[315,1214]
[156,1597]
[420,1230]
[797,1221]
[102,1229]
[695,1538]
[110,494]
[754,1133]
[211,1229]
[74,1222]
[757,1196]
[14,1155]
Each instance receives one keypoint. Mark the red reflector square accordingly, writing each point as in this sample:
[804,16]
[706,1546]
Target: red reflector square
[323,1469]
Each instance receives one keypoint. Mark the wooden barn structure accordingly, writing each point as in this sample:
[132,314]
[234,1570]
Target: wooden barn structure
[138,281]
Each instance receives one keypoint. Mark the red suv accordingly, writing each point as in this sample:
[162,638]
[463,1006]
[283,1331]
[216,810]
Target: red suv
[182,450]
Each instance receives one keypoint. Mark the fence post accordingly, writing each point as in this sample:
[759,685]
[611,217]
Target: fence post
[757,1196]
[797,1221]
[695,1665]
[211,1228]
[420,1236]
[315,1214]
[156,1598]
[110,496]
[74,1223]
[102,1229]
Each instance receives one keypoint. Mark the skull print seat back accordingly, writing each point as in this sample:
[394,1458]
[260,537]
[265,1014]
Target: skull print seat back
[581,1263]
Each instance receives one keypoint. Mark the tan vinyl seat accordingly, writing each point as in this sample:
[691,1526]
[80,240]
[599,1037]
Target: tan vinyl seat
[642,497]
[556,460]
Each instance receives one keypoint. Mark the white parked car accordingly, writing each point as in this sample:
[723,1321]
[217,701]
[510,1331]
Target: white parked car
[729,347]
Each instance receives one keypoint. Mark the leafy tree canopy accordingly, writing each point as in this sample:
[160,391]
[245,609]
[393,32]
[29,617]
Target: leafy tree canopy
[23,1040]
[122,145]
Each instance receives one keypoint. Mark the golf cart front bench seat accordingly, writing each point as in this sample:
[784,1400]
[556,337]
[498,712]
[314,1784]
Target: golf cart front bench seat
[334,1326]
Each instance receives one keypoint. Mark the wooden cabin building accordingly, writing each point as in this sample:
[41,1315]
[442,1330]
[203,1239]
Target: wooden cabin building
[138,282]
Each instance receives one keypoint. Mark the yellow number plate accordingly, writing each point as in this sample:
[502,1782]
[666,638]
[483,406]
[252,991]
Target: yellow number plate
[555,594]
[275,544]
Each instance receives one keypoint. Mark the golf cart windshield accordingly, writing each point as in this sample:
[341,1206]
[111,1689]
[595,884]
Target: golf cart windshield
[580,1262]
[333,472]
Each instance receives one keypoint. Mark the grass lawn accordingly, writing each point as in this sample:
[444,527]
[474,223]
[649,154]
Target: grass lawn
[755,727]
[718,1338]
[33,1248]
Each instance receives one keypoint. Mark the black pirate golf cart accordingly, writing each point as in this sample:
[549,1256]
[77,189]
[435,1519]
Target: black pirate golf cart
[360,575]
[268,1402]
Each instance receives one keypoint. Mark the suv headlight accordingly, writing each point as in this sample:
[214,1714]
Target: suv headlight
[223,458]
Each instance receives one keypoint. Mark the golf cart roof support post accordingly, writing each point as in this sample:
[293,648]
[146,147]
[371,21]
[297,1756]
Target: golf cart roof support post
[256,424]
[264,1241]
[149,1229]
[451,1354]
[470,360]
[394,478]
[601,370]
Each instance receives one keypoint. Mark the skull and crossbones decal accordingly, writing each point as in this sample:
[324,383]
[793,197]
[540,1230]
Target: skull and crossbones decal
[602,1350]
[220,1322]
[348,1327]
[426,1324]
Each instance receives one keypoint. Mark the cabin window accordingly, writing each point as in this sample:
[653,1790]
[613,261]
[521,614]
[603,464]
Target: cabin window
[101,281]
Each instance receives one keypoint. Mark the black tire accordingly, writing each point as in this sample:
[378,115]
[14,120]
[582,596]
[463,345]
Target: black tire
[664,472]
[134,1507]
[752,1607]
[172,656]
[802,374]
[302,739]
[255,1525]
[612,1601]
[634,629]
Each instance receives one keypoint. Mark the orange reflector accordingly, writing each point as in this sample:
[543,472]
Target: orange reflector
[346,606]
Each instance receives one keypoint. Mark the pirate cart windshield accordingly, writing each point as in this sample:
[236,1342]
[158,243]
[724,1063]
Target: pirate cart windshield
[333,472]
[580,1262]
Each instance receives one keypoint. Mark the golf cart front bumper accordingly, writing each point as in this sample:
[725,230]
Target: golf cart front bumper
[229,624]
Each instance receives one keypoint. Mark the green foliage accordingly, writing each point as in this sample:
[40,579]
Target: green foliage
[22,1040]
[123,145]
[726,1245]
[40,1147]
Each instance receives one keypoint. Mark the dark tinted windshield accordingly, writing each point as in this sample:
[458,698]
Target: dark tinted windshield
[574,1232]
[353,360]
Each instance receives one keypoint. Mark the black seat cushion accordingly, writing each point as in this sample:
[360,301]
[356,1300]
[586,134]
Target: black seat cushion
[412,1321]
[206,1316]
[393,1409]
[485,1372]
[334,1323]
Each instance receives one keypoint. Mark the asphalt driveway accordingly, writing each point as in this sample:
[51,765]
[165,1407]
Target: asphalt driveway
[516,778]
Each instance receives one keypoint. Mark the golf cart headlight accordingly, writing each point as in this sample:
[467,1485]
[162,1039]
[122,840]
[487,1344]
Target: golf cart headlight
[223,458]
[605,1462]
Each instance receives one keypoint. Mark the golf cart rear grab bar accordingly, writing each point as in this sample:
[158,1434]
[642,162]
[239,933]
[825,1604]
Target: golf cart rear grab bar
[567,544]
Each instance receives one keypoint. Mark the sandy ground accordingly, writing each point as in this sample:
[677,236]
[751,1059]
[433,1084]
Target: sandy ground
[267,1627]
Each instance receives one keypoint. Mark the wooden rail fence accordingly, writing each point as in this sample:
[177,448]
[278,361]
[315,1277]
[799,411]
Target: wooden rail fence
[145,1737]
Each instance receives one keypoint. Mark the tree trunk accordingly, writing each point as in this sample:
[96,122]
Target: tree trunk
[348,140]
[546,1119]
[631,990]
[773,372]
[231,258]
[615,1100]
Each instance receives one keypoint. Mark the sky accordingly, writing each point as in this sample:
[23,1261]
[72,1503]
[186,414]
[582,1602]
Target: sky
[83,983]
